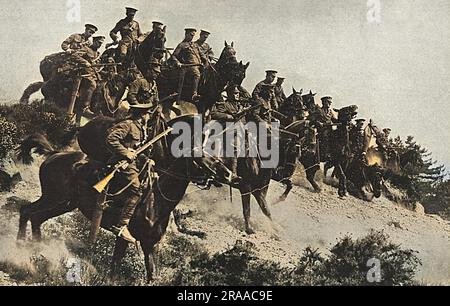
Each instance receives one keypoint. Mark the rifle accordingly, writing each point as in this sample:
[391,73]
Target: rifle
[244,112]
[101,185]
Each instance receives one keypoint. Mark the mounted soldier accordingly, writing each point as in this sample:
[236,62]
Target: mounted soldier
[356,136]
[205,48]
[190,59]
[144,89]
[328,112]
[123,139]
[231,111]
[264,94]
[279,92]
[75,42]
[157,39]
[130,33]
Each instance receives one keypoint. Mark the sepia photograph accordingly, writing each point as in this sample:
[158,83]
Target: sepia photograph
[199,145]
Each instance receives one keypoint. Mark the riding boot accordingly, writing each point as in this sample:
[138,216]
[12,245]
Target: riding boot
[121,230]
[86,98]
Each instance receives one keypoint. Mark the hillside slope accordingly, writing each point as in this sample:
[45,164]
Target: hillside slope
[304,219]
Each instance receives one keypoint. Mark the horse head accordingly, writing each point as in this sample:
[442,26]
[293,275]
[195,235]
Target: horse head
[308,99]
[236,72]
[295,99]
[227,56]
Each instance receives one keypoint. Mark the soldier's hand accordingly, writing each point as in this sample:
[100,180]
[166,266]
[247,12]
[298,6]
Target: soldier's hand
[131,155]
[179,65]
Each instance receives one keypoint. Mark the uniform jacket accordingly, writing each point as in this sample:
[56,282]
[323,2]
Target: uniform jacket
[142,91]
[130,31]
[189,53]
[75,42]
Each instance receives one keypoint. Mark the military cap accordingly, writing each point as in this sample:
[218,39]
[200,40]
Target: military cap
[99,38]
[387,130]
[205,32]
[271,71]
[326,98]
[141,106]
[131,10]
[154,64]
[190,30]
[158,23]
[281,79]
[91,26]
[360,120]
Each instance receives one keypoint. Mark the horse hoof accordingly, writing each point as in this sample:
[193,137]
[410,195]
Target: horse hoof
[317,190]
[249,231]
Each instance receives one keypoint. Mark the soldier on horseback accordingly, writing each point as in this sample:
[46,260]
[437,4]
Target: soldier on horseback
[279,92]
[130,33]
[264,94]
[144,89]
[76,42]
[356,137]
[205,48]
[190,59]
[123,140]
[231,110]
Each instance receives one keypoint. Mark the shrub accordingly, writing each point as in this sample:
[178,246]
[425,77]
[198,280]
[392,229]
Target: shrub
[8,136]
[39,117]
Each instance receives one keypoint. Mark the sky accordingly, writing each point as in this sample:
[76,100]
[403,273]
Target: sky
[395,67]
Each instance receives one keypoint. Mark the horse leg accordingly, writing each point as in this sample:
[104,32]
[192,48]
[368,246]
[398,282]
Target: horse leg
[25,215]
[150,259]
[245,197]
[119,252]
[43,214]
[310,175]
[288,184]
[342,190]
[260,196]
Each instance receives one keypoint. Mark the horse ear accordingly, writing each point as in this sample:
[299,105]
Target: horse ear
[164,29]
[301,91]
[240,63]
[232,44]
[293,90]
[226,44]
[310,92]
[246,65]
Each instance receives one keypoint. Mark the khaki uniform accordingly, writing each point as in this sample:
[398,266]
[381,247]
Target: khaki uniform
[265,95]
[189,53]
[142,91]
[279,95]
[130,33]
[206,49]
[128,134]
[75,42]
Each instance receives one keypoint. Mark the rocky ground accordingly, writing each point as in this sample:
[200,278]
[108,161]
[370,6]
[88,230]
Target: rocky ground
[304,219]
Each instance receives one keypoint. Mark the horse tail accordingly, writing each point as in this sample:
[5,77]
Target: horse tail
[35,141]
[31,89]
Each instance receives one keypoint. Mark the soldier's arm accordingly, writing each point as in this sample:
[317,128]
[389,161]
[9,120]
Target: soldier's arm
[256,93]
[115,136]
[139,31]
[66,43]
[220,113]
[176,54]
[113,33]
[133,92]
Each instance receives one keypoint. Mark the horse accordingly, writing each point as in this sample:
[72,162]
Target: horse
[333,149]
[67,181]
[213,81]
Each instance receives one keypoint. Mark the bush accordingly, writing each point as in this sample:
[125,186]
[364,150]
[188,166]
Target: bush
[348,263]
[8,136]
[38,117]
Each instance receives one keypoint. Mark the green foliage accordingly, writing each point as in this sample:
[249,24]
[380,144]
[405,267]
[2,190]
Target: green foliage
[348,263]
[419,172]
[36,117]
